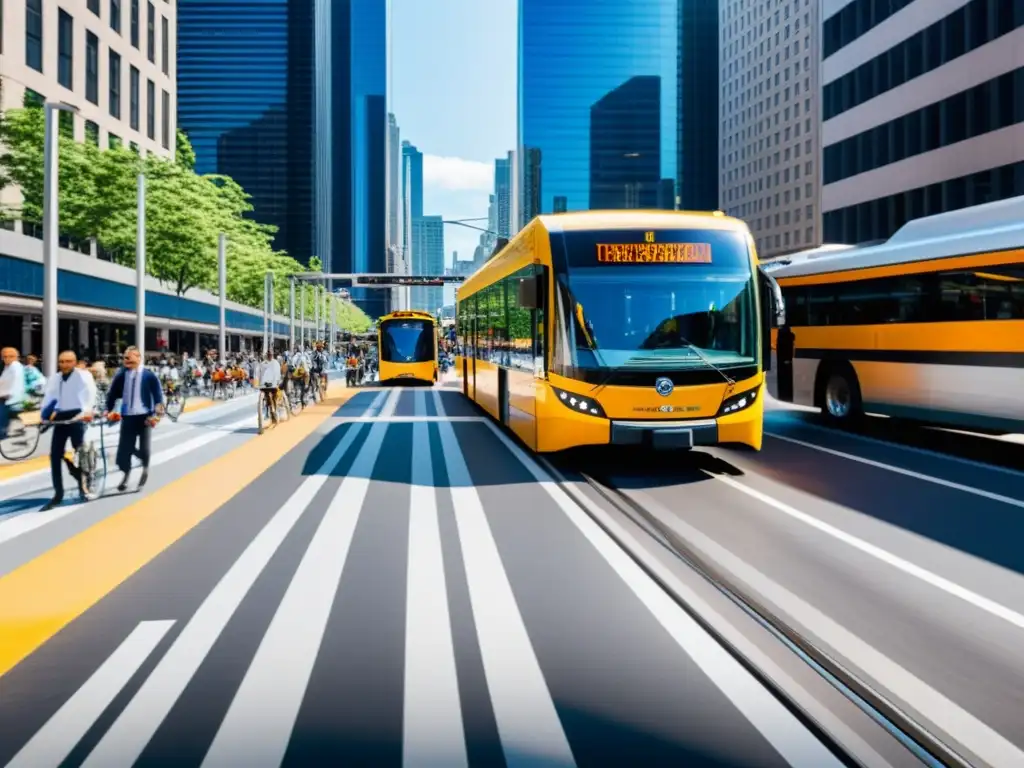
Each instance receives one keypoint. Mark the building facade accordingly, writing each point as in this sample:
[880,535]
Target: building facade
[249,111]
[770,120]
[577,57]
[503,195]
[114,60]
[698,97]
[428,259]
[923,109]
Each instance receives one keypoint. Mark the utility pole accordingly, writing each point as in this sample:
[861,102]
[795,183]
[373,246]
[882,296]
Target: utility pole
[140,266]
[222,281]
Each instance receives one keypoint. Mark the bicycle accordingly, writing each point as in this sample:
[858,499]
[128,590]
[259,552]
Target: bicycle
[263,412]
[175,397]
[90,459]
[22,438]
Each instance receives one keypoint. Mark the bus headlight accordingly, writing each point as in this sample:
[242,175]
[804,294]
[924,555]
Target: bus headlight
[579,403]
[739,402]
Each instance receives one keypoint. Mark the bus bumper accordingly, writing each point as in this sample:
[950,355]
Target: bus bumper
[665,436]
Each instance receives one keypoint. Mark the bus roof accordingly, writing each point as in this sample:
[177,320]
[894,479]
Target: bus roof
[991,227]
[408,314]
[596,221]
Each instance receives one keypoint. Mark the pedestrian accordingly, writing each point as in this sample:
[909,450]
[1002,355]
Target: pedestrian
[12,387]
[68,395]
[142,403]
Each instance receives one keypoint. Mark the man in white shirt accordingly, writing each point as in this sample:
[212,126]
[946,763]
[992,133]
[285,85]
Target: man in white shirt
[12,387]
[268,377]
[68,395]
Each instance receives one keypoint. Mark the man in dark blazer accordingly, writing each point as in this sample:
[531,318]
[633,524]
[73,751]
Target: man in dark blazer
[142,403]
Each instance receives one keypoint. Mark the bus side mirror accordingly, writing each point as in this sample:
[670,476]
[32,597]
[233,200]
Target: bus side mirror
[771,300]
[530,293]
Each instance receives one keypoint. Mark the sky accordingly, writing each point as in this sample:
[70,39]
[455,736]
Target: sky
[453,92]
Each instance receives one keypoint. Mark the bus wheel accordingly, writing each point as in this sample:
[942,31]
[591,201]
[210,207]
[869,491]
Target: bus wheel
[841,401]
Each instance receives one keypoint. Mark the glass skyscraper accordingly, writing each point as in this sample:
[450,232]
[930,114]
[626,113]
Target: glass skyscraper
[601,87]
[245,99]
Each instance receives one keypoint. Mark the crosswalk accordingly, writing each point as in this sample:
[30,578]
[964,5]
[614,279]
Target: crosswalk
[558,692]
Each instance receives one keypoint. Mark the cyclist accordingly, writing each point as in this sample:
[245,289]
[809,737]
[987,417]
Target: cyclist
[12,387]
[69,394]
[298,364]
[319,365]
[268,376]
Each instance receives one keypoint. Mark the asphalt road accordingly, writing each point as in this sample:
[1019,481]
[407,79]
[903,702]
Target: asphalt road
[392,581]
[893,549]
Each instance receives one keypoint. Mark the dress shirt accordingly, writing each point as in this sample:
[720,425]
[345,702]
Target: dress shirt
[269,374]
[132,395]
[12,383]
[90,383]
[71,393]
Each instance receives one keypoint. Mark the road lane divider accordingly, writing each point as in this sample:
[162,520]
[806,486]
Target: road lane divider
[792,739]
[528,723]
[24,522]
[928,577]
[126,739]
[432,724]
[41,597]
[943,713]
[259,723]
[52,743]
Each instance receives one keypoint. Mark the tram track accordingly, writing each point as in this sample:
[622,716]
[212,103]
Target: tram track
[917,739]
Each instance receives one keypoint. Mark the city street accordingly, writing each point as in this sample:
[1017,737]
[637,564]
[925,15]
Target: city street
[390,580]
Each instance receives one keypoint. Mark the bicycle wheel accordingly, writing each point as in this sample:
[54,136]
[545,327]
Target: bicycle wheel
[281,404]
[261,413]
[92,464]
[175,405]
[295,401]
[21,441]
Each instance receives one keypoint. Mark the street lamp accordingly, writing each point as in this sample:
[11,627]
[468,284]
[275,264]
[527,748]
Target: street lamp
[51,232]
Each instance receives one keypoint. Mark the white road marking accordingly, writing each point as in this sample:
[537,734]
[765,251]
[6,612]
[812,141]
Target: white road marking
[1019,503]
[530,730]
[947,586]
[259,723]
[388,411]
[433,732]
[790,738]
[410,419]
[131,732]
[52,743]
[947,715]
[24,522]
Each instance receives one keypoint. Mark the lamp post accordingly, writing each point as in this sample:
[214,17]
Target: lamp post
[51,232]
[140,265]
[222,281]
[291,306]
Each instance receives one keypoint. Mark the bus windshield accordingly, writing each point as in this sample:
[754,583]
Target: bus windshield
[407,341]
[694,308]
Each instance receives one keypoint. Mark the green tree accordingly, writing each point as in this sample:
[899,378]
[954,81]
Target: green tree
[184,154]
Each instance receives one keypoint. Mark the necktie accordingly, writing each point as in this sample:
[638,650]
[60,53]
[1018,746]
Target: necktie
[131,392]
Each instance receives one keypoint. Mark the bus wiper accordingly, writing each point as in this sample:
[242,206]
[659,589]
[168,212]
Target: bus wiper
[728,379]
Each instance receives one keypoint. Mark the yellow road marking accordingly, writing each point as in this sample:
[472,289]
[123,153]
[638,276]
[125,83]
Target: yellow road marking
[43,596]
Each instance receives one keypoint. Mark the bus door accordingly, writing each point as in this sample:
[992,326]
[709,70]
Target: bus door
[472,355]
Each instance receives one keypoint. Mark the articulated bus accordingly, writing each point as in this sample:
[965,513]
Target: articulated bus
[407,347]
[621,327]
[927,326]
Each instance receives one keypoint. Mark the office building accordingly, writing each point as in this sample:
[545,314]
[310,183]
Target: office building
[114,60]
[923,109]
[248,111]
[580,62]
[698,96]
[770,118]
[428,259]
[395,216]
[503,195]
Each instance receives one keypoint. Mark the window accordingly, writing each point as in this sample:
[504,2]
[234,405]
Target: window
[114,84]
[66,121]
[65,49]
[133,98]
[165,45]
[134,147]
[165,120]
[150,109]
[113,142]
[92,68]
[92,133]
[134,23]
[34,34]
[115,15]
[151,33]
[33,99]
[94,6]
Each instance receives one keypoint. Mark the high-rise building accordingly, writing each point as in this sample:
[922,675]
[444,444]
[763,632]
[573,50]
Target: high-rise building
[503,194]
[413,158]
[578,55]
[115,62]
[428,259]
[395,215]
[770,120]
[412,211]
[698,96]
[923,107]
[249,112]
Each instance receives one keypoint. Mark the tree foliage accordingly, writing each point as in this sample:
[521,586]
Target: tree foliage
[185,214]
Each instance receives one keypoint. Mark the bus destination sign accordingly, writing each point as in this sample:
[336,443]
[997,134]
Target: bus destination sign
[654,253]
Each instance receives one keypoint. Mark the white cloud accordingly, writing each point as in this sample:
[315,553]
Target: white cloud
[456,174]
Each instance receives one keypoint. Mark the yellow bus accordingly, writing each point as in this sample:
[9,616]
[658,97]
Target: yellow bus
[927,326]
[638,328]
[407,347]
